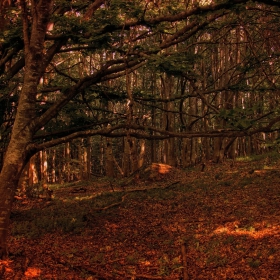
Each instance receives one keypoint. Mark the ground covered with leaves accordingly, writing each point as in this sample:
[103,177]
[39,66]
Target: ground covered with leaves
[222,223]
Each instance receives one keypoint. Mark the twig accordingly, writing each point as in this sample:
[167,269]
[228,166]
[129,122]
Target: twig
[153,188]
[111,205]
[145,276]
[142,276]
[184,261]
[241,256]
[174,183]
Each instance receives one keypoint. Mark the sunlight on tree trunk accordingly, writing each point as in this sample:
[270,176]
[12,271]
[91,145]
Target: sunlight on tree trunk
[142,153]
[33,172]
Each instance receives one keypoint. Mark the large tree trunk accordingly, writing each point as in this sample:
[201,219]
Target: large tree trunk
[18,153]
[15,159]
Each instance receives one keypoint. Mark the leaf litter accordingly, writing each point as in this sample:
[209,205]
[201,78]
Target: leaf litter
[223,223]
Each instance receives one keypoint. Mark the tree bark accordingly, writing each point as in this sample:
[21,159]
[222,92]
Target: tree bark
[169,151]
[109,158]
[18,152]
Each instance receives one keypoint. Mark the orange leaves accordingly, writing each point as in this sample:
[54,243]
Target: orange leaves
[5,265]
[32,272]
[227,217]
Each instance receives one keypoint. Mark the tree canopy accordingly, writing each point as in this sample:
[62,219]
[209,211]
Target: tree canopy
[90,46]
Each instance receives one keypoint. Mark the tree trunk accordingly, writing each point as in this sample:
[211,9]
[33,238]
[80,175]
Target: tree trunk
[53,166]
[24,179]
[126,157]
[66,167]
[33,173]
[88,158]
[18,152]
[141,158]
[44,166]
[109,158]
[133,153]
[169,156]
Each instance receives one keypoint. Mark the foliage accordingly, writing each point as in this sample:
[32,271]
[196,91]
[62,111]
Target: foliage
[177,64]
[238,117]
[122,31]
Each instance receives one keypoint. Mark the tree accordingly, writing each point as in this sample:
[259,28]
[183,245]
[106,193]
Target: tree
[43,44]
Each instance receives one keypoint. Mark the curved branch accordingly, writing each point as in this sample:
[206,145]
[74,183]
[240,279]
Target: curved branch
[143,132]
[66,132]
[33,148]
[70,92]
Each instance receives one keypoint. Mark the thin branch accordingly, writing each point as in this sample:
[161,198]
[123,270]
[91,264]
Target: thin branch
[69,131]
[25,27]
[143,132]
[111,205]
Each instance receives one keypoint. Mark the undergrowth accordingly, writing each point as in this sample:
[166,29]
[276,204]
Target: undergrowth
[227,216]
[68,216]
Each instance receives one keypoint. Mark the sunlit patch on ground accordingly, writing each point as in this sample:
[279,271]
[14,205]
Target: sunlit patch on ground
[253,231]
[5,265]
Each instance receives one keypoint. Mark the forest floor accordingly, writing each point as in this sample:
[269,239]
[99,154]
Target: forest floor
[223,223]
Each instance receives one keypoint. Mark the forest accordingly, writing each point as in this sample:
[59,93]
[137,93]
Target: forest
[139,139]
